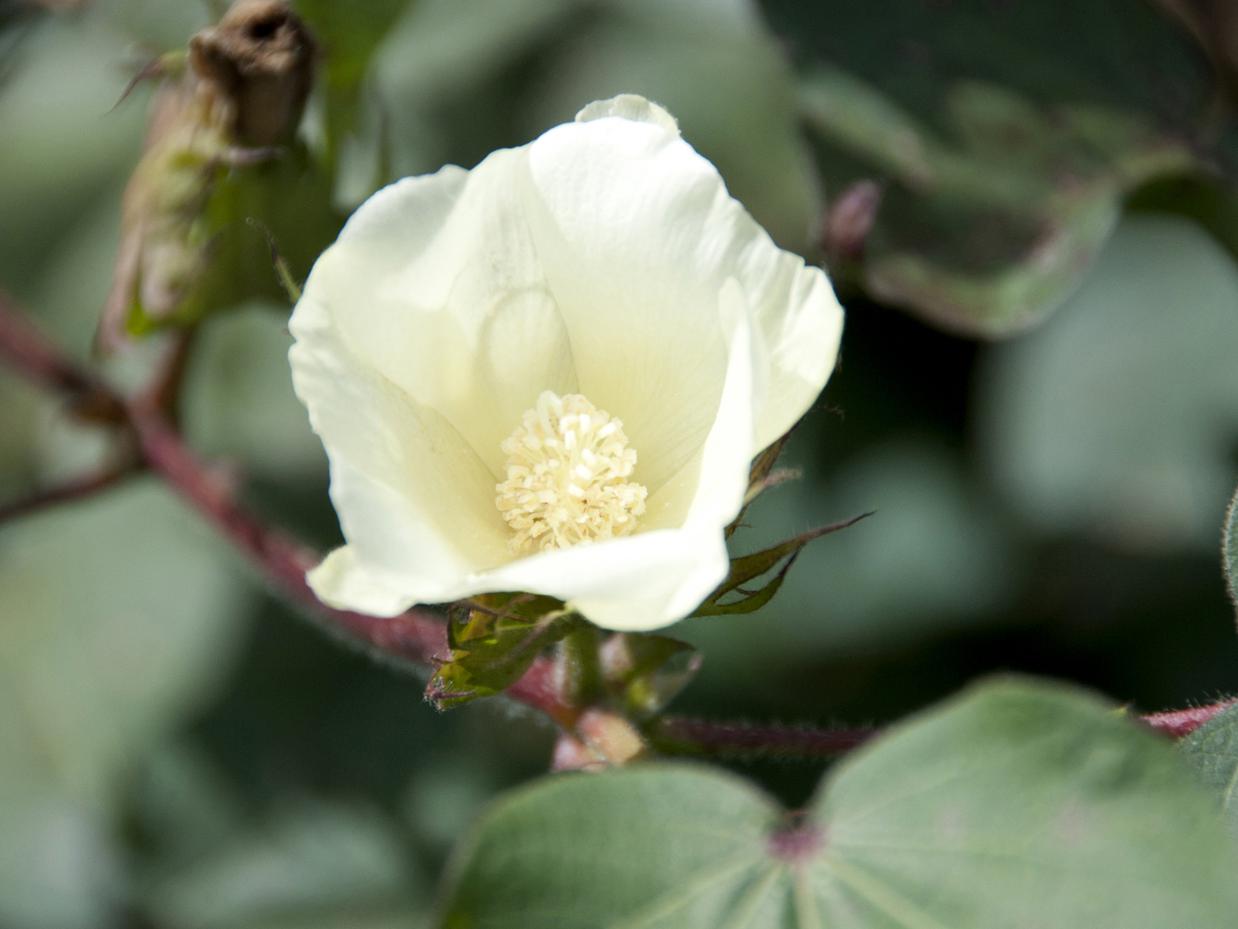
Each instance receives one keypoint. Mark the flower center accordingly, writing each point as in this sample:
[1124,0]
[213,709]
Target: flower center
[568,465]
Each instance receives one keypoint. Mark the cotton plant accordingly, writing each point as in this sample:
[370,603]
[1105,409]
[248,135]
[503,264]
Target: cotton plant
[548,388]
[551,374]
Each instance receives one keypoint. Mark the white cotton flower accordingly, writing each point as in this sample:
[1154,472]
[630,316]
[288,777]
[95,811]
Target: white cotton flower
[550,374]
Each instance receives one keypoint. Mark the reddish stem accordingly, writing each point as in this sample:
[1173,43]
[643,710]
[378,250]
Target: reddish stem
[1179,723]
[73,489]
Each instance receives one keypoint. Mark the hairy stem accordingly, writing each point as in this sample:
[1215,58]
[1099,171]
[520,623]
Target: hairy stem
[690,736]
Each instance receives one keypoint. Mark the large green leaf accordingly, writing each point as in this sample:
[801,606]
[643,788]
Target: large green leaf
[1017,804]
[1004,140]
[1212,750]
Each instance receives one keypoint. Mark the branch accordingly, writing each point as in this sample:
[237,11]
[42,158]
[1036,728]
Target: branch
[689,736]
[74,489]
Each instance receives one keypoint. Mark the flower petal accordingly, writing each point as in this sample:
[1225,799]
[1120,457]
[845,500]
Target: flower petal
[637,238]
[436,283]
[344,582]
[632,107]
[413,499]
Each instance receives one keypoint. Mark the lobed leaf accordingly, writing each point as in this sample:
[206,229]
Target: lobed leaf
[1003,142]
[1017,804]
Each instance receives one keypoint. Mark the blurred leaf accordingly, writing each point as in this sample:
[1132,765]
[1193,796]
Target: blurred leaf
[1118,418]
[312,868]
[1229,549]
[1004,140]
[63,143]
[1212,750]
[349,34]
[934,558]
[1017,803]
[239,402]
[494,638]
[117,622]
[158,25]
[647,671]
[182,805]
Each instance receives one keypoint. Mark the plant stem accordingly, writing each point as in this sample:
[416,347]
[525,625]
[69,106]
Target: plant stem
[74,489]
[582,671]
[689,736]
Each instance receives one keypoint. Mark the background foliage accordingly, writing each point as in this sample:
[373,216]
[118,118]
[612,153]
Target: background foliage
[177,749]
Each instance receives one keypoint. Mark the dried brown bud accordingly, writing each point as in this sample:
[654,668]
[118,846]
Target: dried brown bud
[237,103]
[259,61]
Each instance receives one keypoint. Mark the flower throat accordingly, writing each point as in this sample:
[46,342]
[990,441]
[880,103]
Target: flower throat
[567,476]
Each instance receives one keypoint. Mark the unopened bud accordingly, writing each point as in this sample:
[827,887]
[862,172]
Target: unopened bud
[259,59]
[850,220]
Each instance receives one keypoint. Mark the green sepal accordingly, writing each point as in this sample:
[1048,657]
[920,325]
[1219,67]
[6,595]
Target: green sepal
[750,567]
[646,672]
[761,477]
[493,640]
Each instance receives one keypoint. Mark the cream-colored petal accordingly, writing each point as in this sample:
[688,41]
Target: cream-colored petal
[799,322]
[638,236]
[344,582]
[631,107]
[640,582]
[436,283]
[413,499]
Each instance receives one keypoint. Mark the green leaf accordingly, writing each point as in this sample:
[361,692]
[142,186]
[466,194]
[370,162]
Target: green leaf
[1212,750]
[1122,444]
[313,867]
[349,35]
[494,638]
[119,621]
[749,567]
[1016,804]
[1003,140]
[1229,549]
